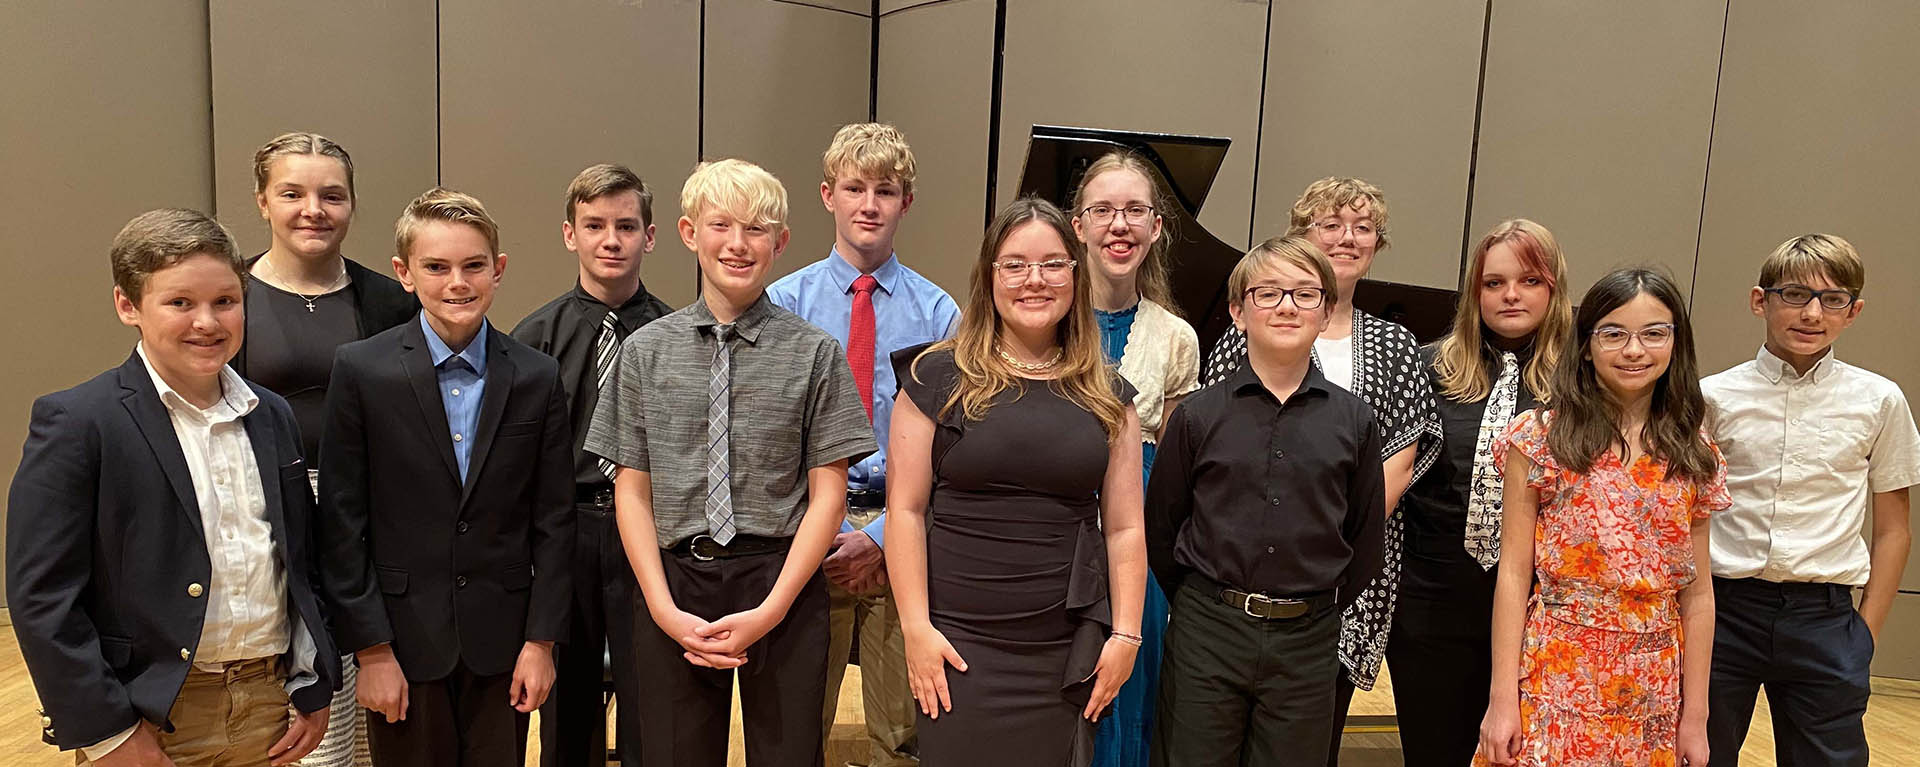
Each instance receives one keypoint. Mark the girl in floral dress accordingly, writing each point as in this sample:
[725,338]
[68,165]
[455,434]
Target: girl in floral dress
[1604,534]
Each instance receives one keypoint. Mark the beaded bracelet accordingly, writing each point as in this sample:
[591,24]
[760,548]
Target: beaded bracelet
[1133,639]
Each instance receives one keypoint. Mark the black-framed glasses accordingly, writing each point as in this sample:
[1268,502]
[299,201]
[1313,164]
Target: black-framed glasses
[1101,215]
[1614,338]
[1800,295]
[1054,273]
[1269,297]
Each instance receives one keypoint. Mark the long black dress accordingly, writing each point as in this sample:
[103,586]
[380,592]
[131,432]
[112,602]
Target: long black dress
[1016,569]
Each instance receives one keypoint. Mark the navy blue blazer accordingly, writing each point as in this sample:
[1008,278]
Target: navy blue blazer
[105,549]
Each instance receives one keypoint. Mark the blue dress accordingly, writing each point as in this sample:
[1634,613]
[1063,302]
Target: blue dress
[1126,730]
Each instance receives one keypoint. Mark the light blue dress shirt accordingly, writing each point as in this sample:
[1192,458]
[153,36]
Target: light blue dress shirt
[908,309]
[463,377]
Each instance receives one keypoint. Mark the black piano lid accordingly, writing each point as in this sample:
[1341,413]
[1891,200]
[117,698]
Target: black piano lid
[1057,155]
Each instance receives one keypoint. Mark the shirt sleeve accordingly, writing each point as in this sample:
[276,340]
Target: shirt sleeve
[618,431]
[1170,499]
[1527,433]
[1712,495]
[1894,462]
[1365,526]
[1183,361]
[1228,355]
[98,751]
[836,423]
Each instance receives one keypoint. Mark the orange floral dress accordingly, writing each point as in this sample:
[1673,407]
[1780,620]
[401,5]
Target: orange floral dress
[1612,548]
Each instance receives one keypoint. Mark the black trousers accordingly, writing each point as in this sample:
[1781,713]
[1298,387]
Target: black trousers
[462,720]
[685,710]
[1237,690]
[1810,649]
[1441,652]
[573,725]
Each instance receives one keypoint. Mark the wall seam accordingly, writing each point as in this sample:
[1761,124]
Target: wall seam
[1706,170]
[873,66]
[993,109]
[439,134]
[1259,128]
[213,144]
[1473,152]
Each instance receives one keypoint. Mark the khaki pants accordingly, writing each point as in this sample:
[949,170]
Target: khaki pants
[227,718]
[884,691]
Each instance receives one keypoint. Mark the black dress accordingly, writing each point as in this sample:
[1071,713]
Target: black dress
[1016,569]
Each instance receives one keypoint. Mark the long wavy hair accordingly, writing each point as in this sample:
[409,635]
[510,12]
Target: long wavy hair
[1465,374]
[1586,420]
[1155,276]
[1083,375]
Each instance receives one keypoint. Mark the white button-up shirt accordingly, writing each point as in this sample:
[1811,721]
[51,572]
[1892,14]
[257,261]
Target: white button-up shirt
[1804,456]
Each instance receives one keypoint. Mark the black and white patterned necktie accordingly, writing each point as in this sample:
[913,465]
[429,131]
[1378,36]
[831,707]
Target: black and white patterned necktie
[606,349]
[1487,485]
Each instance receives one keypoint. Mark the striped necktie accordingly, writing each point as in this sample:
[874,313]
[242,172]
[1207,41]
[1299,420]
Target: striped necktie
[606,349]
[719,463]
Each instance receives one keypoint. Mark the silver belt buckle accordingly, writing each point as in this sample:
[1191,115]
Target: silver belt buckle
[1248,607]
[693,547]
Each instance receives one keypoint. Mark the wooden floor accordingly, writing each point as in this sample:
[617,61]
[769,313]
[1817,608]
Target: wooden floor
[1893,724]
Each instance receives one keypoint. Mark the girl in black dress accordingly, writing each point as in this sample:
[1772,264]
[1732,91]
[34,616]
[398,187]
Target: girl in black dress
[1018,556]
[1510,329]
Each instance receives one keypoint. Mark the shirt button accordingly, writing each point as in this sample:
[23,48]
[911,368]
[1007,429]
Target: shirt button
[186,654]
[195,590]
[456,392]
[456,438]
[460,582]
[1269,549]
[1279,454]
[460,528]
[1276,502]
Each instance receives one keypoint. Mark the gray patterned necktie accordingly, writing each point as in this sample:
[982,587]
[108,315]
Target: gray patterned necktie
[1487,485]
[719,463]
[606,348]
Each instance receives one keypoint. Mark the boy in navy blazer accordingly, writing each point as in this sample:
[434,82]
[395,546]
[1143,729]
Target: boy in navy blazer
[158,568]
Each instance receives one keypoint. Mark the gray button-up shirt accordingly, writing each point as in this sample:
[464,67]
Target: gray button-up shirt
[794,407]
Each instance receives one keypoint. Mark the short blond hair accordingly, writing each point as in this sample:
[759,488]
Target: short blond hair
[1330,194]
[158,239]
[743,189]
[1268,256]
[444,205]
[598,181]
[1809,255]
[874,150]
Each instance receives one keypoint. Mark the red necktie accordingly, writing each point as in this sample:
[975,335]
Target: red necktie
[860,339]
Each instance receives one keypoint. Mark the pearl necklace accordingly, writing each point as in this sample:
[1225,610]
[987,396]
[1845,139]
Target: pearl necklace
[1031,367]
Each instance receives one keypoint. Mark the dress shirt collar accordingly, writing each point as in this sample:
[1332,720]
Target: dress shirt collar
[1775,369]
[1244,380]
[639,297]
[475,354]
[746,326]
[236,397]
[843,273]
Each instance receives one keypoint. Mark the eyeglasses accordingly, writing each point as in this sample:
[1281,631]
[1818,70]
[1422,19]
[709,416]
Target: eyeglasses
[1054,273]
[1101,215]
[1268,297]
[1800,295]
[1614,338]
[1330,230]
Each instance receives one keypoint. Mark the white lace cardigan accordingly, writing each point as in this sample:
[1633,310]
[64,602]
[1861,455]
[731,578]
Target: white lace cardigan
[1162,360]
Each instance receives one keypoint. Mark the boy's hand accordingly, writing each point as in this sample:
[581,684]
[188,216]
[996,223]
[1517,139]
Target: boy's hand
[303,735]
[701,650]
[733,634]
[141,749]
[532,677]
[857,564]
[382,685]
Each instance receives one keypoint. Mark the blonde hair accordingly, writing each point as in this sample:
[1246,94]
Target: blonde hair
[598,181]
[1154,277]
[738,187]
[1294,250]
[1330,194]
[1464,373]
[1808,255]
[1083,375]
[443,205]
[158,239]
[874,150]
[287,144]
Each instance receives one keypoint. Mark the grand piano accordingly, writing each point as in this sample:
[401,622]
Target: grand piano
[1057,156]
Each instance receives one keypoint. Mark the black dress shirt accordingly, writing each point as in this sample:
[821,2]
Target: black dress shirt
[1282,498]
[566,329]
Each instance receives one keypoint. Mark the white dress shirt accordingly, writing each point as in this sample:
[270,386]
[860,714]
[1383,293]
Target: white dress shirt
[1804,456]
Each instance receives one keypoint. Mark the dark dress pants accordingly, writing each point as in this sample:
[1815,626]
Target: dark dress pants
[1237,690]
[1808,646]
[573,725]
[685,709]
[461,720]
[1441,652]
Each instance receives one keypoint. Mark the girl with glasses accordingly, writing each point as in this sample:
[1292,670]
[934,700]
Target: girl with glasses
[1159,354]
[1602,616]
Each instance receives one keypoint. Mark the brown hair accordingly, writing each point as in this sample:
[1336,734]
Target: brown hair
[1084,377]
[1155,279]
[446,205]
[1465,375]
[876,150]
[297,144]
[1295,250]
[158,239]
[598,181]
[1330,194]
[1586,421]
[1808,255]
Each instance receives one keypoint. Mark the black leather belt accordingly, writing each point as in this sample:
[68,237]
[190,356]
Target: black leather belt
[1264,606]
[593,495]
[704,548]
[866,499]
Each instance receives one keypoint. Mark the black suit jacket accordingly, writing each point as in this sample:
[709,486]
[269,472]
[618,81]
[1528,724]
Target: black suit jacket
[104,541]
[449,572]
[380,302]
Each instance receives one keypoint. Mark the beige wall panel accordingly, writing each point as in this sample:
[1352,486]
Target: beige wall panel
[781,78]
[533,92]
[361,73]
[1596,124]
[1382,90]
[1815,134]
[936,83]
[1189,67]
[105,117]
[1899,655]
